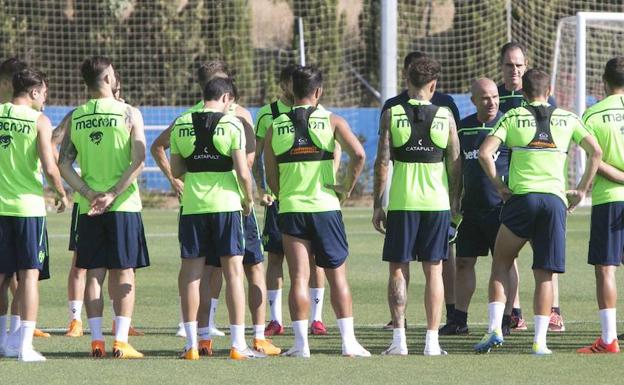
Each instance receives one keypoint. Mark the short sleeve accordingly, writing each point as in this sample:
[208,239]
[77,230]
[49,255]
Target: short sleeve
[501,127]
[237,135]
[174,149]
[262,123]
[580,131]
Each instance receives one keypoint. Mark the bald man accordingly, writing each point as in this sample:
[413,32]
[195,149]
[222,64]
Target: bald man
[481,203]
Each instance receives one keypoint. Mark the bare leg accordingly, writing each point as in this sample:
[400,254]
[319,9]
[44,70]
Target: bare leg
[340,292]
[76,281]
[555,284]
[465,282]
[189,278]
[234,288]
[121,283]
[448,278]
[297,253]
[507,247]
[93,293]
[256,292]
[28,293]
[15,308]
[275,272]
[434,293]
[397,292]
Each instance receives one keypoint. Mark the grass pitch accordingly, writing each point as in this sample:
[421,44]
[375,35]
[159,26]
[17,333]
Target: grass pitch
[157,313]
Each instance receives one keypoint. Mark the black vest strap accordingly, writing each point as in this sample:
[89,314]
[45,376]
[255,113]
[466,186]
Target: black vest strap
[543,137]
[419,148]
[275,110]
[303,148]
[206,157]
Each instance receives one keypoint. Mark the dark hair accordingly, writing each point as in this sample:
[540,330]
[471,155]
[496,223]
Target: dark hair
[10,67]
[217,87]
[286,73]
[92,68]
[208,70]
[508,47]
[614,72]
[423,70]
[306,80]
[26,80]
[411,57]
[535,83]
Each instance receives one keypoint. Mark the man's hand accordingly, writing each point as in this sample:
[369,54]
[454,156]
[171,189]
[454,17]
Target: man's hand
[341,191]
[101,203]
[502,189]
[61,203]
[266,200]
[178,186]
[379,220]
[575,197]
[247,207]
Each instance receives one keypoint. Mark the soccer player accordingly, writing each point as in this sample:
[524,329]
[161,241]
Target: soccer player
[480,203]
[25,149]
[271,236]
[606,241]
[539,136]
[107,139]
[513,61]
[441,100]
[206,147]
[422,139]
[299,161]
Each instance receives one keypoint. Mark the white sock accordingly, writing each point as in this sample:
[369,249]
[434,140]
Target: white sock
[316,297]
[191,334]
[541,328]
[608,325]
[431,341]
[213,312]
[495,314]
[27,329]
[275,304]
[122,325]
[345,325]
[258,332]
[238,337]
[204,333]
[398,337]
[75,308]
[14,324]
[95,324]
[300,329]
[3,329]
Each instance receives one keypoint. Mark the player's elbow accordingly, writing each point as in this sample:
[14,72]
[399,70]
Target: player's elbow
[597,154]
[359,156]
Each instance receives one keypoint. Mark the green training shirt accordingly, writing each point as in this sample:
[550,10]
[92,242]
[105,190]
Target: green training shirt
[265,117]
[209,191]
[538,170]
[302,184]
[102,138]
[419,186]
[605,121]
[21,186]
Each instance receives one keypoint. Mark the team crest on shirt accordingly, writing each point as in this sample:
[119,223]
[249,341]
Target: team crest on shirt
[96,137]
[5,140]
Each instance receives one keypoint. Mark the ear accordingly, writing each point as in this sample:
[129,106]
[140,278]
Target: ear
[318,92]
[549,91]
[432,86]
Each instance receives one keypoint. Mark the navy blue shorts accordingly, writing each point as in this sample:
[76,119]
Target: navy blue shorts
[113,240]
[24,245]
[416,235]
[325,231]
[253,243]
[211,235]
[477,233]
[271,234]
[606,239]
[541,218]
[72,228]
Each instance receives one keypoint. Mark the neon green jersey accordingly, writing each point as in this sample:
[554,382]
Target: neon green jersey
[419,184]
[302,182]
[538,159]
[21,186]
[605,121]
[209,191]
[266,114]
[102,139]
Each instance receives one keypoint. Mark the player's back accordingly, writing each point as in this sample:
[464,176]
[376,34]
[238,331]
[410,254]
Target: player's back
[605,121]
[21,186]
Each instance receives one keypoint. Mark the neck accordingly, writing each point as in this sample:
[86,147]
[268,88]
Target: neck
[101,93]
[485,117]
[214,105]
[21,101]
[286,100]
[305,102]
[509,86]
[616,91]
[419,94]
[539,99]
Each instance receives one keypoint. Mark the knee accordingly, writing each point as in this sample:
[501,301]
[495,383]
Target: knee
[465,264]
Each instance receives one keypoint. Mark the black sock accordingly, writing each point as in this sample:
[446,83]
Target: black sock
[450,309]
[460,317]
[556,310]
[516,312]
[506,320]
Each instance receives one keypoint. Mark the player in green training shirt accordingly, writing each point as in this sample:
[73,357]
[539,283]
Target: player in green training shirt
[106,137]
[25,149]
[605,121]
[536,200]
[299,161]
[423,141]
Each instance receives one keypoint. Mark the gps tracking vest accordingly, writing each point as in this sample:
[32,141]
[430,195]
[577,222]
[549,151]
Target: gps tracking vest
[543,137]
[303,148]
[206,157]
[419,148]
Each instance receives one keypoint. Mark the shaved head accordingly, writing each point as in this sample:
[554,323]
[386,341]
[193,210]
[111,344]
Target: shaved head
[485,97]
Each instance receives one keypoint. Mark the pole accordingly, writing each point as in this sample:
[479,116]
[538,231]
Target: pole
[388,63]
[302,57]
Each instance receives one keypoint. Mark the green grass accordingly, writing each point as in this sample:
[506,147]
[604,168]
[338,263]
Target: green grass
[157,314]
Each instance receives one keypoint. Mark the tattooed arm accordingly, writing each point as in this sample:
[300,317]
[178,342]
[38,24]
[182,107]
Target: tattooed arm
[46,154]
[381,173]
[67,155]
